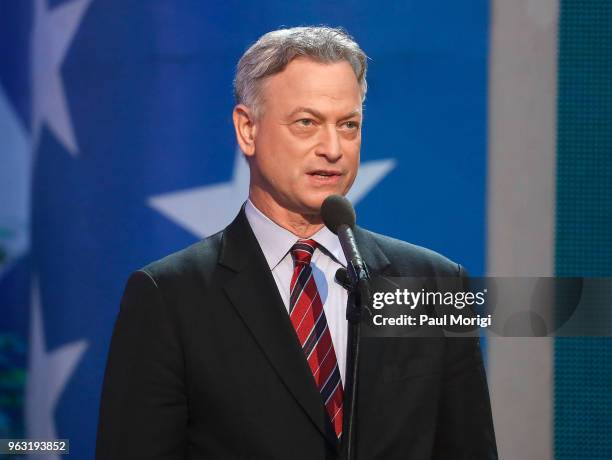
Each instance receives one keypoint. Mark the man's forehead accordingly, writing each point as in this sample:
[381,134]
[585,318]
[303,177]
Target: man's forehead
[314,87]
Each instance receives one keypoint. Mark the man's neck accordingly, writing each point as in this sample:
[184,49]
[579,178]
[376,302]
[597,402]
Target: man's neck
[301,225]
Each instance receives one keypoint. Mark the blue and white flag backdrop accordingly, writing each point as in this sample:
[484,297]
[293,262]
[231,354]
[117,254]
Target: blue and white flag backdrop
[117,148]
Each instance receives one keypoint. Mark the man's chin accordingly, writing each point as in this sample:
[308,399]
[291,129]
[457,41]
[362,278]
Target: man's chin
[312,205]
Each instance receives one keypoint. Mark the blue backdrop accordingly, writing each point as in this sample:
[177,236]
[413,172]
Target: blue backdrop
[126,108]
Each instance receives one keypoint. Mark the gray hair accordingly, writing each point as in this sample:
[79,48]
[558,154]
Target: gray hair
[275,50]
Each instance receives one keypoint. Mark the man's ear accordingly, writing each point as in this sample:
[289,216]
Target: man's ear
[244,125]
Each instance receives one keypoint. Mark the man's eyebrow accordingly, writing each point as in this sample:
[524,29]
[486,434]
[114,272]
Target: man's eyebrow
[319,115]
[354,113]
[313,112]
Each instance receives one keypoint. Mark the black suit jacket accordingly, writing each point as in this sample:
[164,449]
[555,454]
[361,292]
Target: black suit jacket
[204,364]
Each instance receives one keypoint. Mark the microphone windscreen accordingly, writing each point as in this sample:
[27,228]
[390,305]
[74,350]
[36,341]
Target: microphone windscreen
[342,278]
[337,210]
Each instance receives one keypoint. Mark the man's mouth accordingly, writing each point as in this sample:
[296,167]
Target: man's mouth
[325,177]
[324,173]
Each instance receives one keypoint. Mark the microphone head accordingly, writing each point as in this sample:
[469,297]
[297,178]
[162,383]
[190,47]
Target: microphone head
[337,210]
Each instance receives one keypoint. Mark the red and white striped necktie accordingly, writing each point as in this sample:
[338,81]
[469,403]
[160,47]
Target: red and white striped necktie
[308,319]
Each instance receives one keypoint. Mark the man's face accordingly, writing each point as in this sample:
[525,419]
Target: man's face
[308,138]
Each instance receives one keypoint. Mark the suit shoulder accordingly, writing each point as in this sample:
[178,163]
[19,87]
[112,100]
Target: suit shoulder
[200,257]
[413,260]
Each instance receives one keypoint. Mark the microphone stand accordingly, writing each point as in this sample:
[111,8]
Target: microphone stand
[358,298]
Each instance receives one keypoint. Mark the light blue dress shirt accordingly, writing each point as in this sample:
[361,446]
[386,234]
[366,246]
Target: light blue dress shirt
[276,241]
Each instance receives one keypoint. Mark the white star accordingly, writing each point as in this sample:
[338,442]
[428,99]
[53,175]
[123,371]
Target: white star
[52,33]
[15,182]
[369,175]
[206,210]
[47,375]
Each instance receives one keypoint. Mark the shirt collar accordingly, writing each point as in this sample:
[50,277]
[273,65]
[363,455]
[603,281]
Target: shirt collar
[276,241]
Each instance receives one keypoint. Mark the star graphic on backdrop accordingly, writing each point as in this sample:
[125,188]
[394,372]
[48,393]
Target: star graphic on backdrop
[47,375]
[15,182]
[206,210]
[52,32]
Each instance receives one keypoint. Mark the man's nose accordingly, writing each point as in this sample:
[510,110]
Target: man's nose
[329,143]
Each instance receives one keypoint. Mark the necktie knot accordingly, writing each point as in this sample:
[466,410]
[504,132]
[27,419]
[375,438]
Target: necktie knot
[302,251]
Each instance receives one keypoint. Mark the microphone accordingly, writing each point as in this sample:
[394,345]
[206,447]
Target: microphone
[339,216]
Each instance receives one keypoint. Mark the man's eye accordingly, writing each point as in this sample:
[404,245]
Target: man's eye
[351,124]
[305,122]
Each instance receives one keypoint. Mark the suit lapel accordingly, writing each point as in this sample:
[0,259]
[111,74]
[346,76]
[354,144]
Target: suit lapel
[376,260]
[254,294]
[373,352]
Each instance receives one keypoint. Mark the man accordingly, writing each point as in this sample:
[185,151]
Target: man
[236,346]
